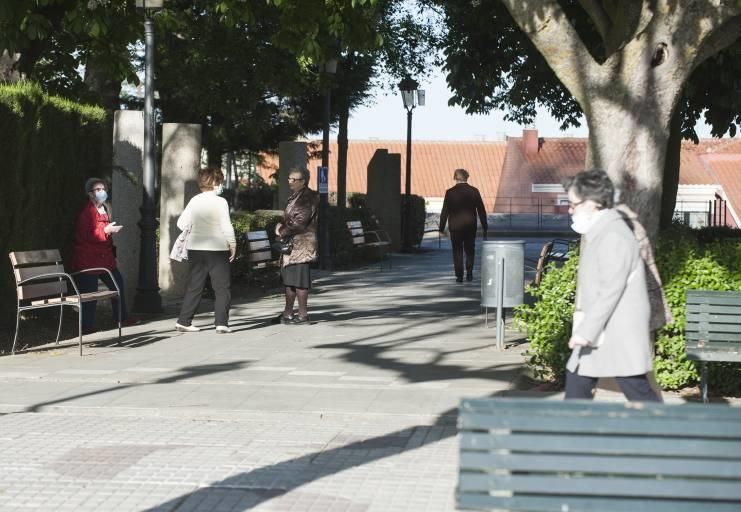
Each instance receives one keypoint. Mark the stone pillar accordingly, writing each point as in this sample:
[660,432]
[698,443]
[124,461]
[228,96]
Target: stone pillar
[126,188]
[181,159]
[384,193]
[290,154]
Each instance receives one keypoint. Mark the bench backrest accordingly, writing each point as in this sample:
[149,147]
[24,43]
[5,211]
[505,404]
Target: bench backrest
[529,454]
[355,227]
[545,251]
[28,264]
[257,247]
[713,328]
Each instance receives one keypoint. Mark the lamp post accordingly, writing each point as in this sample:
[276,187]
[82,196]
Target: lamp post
[329,69]
[411,97]
[147,298]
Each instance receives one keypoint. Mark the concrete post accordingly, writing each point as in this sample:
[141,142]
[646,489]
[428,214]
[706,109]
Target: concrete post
[126,188]
[290,154]
[384,193]
[181,159]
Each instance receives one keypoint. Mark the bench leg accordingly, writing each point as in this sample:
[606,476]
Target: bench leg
[119,319]
[17,326]
[704,382]
[59,329]
[79,327]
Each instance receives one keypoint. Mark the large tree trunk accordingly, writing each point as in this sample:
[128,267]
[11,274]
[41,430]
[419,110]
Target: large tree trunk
[671,171]
[344,115]
[628,97]
[104,91]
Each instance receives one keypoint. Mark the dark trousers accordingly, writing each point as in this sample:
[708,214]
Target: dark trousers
[463,241]
[202,264]
[636,388]
[88,283]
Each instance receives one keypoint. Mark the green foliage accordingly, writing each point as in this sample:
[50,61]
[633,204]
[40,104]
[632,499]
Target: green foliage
[548,321]
[687,260]
[688,263]
[54,146]
[418,217]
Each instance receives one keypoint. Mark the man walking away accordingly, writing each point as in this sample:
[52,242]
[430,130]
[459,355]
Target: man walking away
[461,205]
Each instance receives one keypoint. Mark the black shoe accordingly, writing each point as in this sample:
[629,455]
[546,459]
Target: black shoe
[458,279]
[287,320]
[469,277]
[299,320]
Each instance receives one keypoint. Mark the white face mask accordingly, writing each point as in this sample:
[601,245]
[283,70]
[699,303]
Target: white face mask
[583,222]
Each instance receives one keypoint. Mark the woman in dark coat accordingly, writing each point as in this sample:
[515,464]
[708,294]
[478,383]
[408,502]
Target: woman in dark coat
[299,224]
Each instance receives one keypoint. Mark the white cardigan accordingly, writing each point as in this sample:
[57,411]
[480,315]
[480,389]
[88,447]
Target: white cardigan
[211,226]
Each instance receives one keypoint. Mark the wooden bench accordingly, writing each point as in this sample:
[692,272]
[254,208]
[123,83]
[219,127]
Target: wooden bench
[376,240]
[553,250]
[713,330]
[255,249]
[41,282]
[580,456]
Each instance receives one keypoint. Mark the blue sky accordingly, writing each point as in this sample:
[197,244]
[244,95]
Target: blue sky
[386,120]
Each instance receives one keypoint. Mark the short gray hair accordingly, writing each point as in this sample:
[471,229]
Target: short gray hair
[304,172]
[460,175]
[593,184]
[91,182]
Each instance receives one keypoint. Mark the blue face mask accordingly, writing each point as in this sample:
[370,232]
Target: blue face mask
[220,189]
[101,195]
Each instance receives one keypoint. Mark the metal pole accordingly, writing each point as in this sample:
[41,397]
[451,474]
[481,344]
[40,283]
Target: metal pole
[147,298]
[324,258]
[407,210]
[500,303]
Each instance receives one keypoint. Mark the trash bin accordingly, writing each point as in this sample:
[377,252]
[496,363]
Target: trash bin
[513,254]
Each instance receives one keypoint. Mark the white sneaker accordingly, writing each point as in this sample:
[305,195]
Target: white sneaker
[222,329]
[186,328]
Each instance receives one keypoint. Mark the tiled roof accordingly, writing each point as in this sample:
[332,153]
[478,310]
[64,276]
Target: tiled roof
[726,171]
[501,170]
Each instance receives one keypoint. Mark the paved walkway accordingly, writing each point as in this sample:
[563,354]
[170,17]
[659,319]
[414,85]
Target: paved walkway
[355,412]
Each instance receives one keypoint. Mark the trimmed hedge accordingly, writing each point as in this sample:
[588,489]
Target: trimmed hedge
[687,259]
[52,145]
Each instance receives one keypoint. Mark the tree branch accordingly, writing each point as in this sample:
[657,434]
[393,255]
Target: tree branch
[601,20]
[549,29]
[721,39]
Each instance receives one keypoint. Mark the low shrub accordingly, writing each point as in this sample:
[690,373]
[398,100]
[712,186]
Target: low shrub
[687,259]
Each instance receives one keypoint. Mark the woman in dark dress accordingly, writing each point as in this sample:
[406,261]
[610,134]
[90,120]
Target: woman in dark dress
[299,224]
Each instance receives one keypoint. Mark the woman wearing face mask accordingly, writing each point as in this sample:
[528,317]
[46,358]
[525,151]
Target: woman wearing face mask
[93,249]
[610,336]
[211,247]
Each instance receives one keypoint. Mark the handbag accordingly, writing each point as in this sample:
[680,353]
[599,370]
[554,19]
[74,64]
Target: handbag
[180,247]
[283,245]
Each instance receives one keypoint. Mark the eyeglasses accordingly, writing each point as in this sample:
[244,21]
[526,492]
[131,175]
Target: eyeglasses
[574,205]
[291,180]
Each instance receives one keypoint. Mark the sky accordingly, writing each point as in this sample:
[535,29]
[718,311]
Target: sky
[386,120]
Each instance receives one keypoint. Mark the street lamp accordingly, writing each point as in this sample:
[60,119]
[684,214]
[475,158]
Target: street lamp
[147,298]
[411,97]
[329,69]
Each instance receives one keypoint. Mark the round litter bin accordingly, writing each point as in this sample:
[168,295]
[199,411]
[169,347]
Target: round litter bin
[511,255]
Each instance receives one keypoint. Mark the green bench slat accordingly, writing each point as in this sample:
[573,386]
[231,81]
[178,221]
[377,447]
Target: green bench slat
[602,425]
[616,486]
[615,445]
[587,409]
[564,503]
[710,329]
[603,464]
[693,309]
[722,298]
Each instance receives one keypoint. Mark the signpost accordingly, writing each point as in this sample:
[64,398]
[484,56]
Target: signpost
[322,177]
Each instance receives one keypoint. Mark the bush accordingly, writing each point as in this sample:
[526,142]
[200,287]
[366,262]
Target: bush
[685,262]
[548,321]
[418,218]
[52,146]
[243,222]
[258,196]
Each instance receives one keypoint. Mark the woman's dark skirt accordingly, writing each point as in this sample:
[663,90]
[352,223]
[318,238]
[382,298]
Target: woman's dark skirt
[296,276]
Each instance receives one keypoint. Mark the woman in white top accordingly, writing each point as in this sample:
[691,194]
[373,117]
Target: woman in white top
[211,247]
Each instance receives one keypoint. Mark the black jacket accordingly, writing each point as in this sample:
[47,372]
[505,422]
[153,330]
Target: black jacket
[461,204]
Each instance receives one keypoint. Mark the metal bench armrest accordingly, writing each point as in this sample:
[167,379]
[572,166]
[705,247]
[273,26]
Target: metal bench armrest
[97,268]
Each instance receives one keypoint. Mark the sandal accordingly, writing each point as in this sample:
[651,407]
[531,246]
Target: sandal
[299,320]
